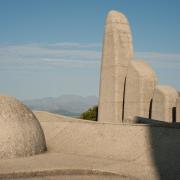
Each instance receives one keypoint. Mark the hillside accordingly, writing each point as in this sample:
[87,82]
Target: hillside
[68,105]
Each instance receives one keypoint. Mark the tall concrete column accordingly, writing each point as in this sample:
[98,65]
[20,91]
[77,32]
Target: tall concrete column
[117,53]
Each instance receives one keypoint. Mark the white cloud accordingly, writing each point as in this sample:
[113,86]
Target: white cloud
[160,60]
[75,45]
[71,55]
[40,51]
[58,54]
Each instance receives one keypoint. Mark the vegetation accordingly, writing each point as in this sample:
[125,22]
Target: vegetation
[90,114]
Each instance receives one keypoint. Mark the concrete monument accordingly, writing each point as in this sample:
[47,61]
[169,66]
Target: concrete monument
[127,86]
[117,53]
[140,85]
[85,150]
[164,103]
[21,134]
[178,109]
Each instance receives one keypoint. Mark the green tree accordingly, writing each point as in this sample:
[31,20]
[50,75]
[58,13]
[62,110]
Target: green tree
[90,114]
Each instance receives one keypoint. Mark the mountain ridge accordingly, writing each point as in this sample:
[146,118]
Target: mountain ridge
[68,105]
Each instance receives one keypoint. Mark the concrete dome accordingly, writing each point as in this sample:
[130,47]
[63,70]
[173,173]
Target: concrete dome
[21,134]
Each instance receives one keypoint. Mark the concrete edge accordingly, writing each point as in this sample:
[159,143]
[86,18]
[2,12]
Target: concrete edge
[55,172]
[143,123]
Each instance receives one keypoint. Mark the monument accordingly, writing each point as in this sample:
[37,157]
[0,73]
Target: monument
[140,85]
[127,86]
[21,134]
[178,109]
[79,149]
[164,103]
[117,53]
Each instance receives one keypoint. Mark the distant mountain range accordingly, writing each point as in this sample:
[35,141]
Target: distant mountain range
[68,105]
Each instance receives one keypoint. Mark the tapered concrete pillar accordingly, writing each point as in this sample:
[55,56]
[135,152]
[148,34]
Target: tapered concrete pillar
[164,103]
[117,52]
[178,109]
[140,86]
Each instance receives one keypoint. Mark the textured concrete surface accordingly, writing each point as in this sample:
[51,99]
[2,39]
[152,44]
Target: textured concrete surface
[79,149]
[117,52]
[101,139]
[140,86]
[164,103]
[58,166]
[20,132]
[178,110]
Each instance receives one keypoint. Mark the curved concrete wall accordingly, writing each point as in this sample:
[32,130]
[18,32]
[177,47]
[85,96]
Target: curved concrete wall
[140,85]
[178,110]
[164,103]
[150,146]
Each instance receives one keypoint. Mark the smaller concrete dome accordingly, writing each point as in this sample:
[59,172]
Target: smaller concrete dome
[21,134]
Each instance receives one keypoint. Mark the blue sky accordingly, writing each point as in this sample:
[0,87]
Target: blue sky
[53,47]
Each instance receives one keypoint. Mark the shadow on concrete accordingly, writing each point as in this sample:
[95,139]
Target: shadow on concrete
[165,147]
